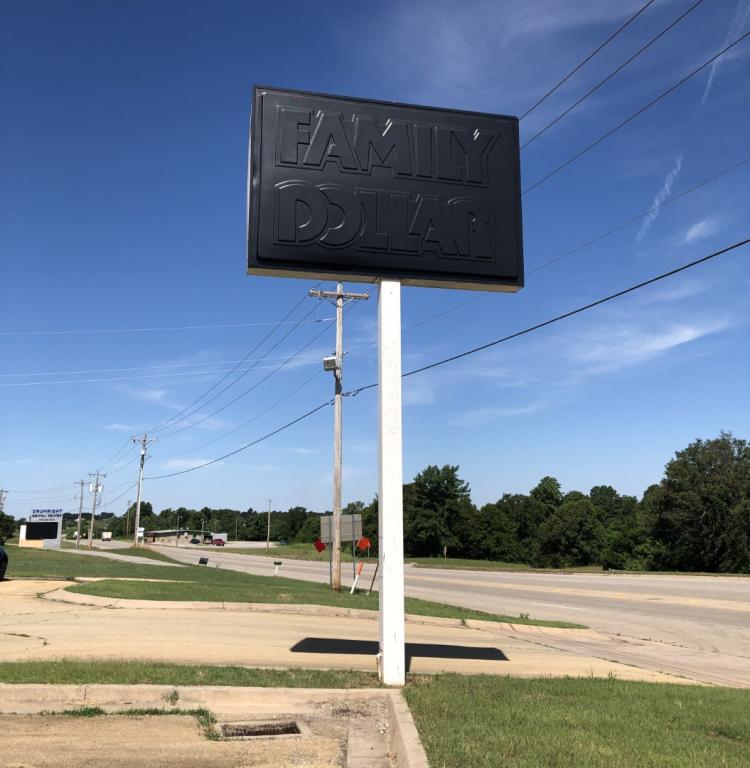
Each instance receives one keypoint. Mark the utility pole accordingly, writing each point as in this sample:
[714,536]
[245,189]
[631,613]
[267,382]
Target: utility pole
[3,494]
[80,512]
[145,442]
[336,365]
[96,488]
[268,528]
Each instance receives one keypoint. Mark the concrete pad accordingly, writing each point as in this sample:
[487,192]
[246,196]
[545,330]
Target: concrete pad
[365,728]
[149,742]
[43,630]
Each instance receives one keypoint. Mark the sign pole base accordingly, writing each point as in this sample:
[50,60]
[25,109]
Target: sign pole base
[390,499]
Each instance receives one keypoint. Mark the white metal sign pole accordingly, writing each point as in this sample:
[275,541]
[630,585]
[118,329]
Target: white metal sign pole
[390,499]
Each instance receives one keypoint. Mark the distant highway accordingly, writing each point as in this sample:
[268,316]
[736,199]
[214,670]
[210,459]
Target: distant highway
[698,626]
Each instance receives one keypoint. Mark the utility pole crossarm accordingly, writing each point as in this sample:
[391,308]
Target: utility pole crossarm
[316,294]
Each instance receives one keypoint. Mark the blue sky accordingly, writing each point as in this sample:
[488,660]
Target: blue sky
[123,146]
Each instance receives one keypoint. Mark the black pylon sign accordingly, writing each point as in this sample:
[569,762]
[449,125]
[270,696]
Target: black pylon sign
[363,190]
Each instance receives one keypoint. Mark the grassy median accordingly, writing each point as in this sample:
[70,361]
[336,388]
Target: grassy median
[193,582]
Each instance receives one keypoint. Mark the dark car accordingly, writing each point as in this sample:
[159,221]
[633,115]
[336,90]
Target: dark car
[195,541]
[3,562]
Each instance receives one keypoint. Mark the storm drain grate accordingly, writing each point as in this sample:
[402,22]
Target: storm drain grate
[251,730]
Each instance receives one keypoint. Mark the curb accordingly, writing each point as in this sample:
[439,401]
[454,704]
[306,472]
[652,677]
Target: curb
[405,741]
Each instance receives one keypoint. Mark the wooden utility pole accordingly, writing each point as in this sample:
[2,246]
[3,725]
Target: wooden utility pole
[268,528]
[145,442]
[340,297]
[96,488]
[80,512]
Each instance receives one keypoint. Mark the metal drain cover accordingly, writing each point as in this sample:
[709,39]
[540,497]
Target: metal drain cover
[259,730]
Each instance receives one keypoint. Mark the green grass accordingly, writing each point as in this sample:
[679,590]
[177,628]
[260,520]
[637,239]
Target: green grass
[147,554]
[157,673]
[25,562]
[205,719]
[193,582]
[485,722]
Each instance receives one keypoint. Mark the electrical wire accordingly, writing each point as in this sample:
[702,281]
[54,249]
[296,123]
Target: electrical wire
[226,405]
[483,295]
[290,359]
[622,66]
[627,120]
[586,60]
[127,444]
[173,419]
[248,445]
[40,490]
[472,351]
[144,330]
[139,367]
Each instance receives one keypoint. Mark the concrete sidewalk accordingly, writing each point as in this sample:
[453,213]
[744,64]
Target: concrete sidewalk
[40,629]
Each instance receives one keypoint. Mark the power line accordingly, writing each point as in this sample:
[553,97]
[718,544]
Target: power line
[145,330]
[290,359]
[172,419]
[622,66]
[248,445]
[634,115]
[586,60]
[41,490]
[243,393]
[578,311]
[107,379]
[256,416]
[472,351]
[140,367]
[127,444]
[576,249]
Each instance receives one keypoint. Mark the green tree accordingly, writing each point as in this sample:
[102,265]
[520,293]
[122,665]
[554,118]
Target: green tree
[438,514]
[701,513]
[573,534]
[7,527]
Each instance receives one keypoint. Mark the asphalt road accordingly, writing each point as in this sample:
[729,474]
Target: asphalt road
[696,626]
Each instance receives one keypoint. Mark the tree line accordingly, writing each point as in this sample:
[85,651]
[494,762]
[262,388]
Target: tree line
[697,518]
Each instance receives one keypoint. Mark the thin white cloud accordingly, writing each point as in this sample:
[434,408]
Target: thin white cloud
[628,346]
[659,198]
[686,289]
[305,451]
[701,230]
[115,426]
[478,416]
[741,16]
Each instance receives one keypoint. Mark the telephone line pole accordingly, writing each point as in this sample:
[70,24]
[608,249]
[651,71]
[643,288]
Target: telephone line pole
[336,364]
[80,512]
[268,528]
[145,442]
[96,488]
